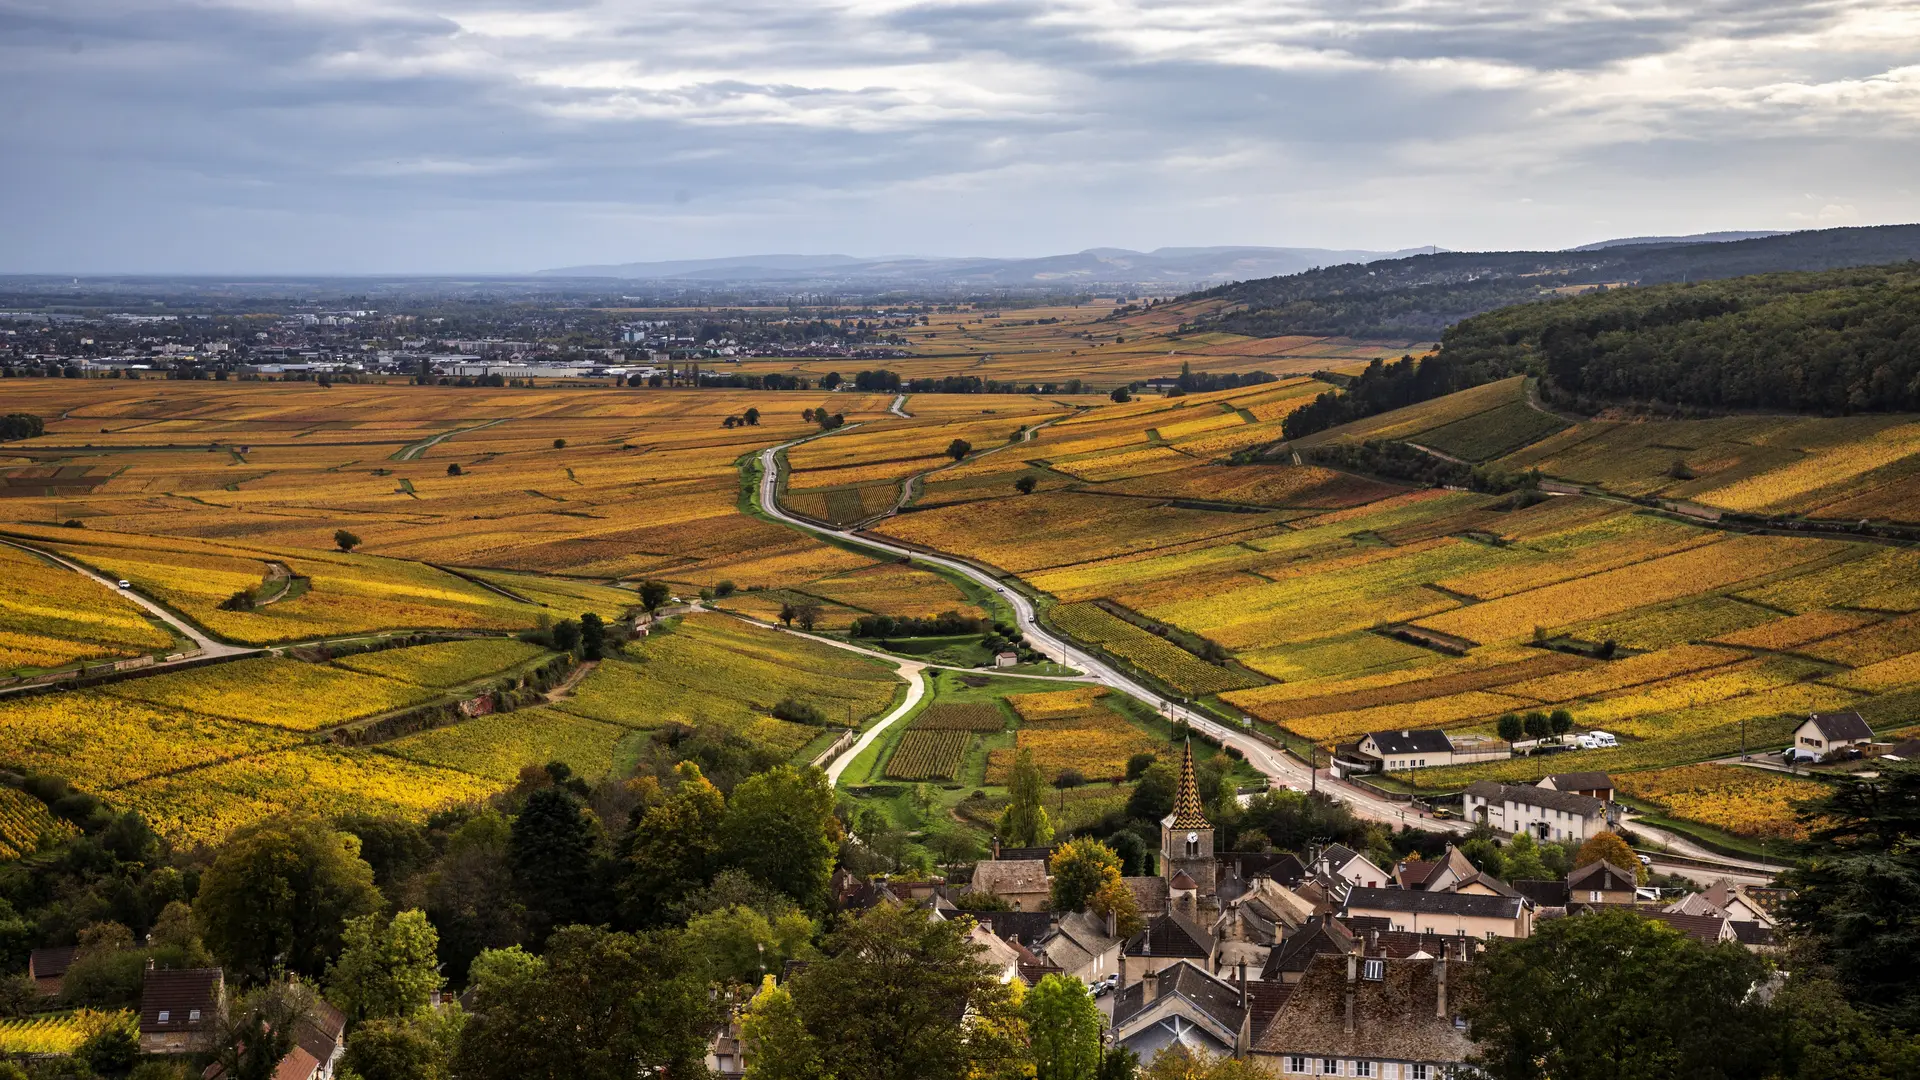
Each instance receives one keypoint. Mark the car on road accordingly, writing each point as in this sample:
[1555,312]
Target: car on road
[1442,812]
[124,584]
[1645,860]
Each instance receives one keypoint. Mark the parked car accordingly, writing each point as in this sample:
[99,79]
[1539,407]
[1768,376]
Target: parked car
[1443,812]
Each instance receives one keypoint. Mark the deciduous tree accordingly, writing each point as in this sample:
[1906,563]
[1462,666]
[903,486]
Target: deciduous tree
[1064,1025]
[388,967]
[1078,868]
[280,893]
[1025,823]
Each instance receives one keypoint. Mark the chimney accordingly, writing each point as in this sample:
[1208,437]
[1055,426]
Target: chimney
[1373,943]
[1113,923]
[1353,976]
[1123,970]
[1440,983]
[1243,984]
[996,848]
[1193,906]
[1149,989]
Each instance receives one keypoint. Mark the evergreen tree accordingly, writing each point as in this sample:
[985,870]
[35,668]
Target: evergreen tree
[1025,823]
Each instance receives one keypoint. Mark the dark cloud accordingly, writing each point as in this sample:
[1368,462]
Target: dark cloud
[512,134]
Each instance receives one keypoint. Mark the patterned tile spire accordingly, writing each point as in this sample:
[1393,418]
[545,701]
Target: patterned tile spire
[1187,811]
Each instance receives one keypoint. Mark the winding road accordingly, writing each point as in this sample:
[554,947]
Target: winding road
[1276,765]
[206,645]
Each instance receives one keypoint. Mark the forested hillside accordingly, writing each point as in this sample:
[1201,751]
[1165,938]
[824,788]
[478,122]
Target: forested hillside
[1419,297]
[1831,342]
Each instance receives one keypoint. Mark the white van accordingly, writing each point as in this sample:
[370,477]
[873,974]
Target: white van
[1601,740]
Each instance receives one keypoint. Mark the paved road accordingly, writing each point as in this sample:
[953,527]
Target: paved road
[207,646]
[899,407]
[1276,765]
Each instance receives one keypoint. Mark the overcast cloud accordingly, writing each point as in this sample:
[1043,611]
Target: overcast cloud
[511,135]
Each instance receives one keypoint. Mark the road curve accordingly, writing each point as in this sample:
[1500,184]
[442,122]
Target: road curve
[207,646]
[1266,759]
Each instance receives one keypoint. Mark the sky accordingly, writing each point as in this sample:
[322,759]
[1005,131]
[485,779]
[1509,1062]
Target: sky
[505,136]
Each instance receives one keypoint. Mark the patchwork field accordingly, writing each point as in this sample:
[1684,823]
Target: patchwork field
[1742,801]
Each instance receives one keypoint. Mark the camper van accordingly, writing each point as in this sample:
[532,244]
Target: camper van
[1597,740]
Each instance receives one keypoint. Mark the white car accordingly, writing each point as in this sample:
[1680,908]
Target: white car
[125,584]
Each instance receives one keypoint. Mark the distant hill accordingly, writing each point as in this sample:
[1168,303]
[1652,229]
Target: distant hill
[1182,268]
[1419,297]
[1694,238]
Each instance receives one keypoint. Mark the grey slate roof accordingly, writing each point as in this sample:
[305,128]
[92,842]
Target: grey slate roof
[1171,935]
[1543,893]
[1394,1018]
[1842,726]
[1412,741]
[1214,996]
[1492,792]
[1602,875]
[1580,781]
[1028,926]
[1432,903]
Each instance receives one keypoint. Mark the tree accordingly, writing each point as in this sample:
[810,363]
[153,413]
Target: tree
[1064,1023]
[566,635]
[1025,484]
[776,1043]
[1609,846]
[601,1006]
[345,540]
[1121,395]
[1599,998]
[593,636]
[1511,727]
[787,612]
[807,615]
[654,595]
[1523,860]
[1537,725]
[1025,822]
[1118,1063]
[1138,764]
[1177,1062]
[280,893]
[1854,896]
[1560,720]
[258,1030]
[780,828]
[110,1052]
[418,1047]
[889,1000]
[21,426]
[672,849]
[469,893]
[752,417]
[453,469]
[553,854]
[959,448]
[740,943]
[559,444]
[387,967]
[1078,868]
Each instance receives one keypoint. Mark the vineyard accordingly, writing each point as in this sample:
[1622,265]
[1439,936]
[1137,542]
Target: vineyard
[25,822]
[1150,653]
[961,716]
[60,1033]
[928,755]
[1742,801]
[448,663]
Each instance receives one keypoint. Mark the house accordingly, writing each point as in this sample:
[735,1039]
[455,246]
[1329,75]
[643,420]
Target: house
[1446,913]
[1546,813]
[1005,659]
[1709,929]
[322,1035]
[1727,899]
[1543,892]
[1169,938]
[1186,1005]
[1016,927]
[1823,733]
[997,954]
[1418,748]
[1594,785]
[1082,945]
[48,967]
[1239,869]
[1374,1016]
[1250,925]
[1437,875]
[1020,882]
[1601,883]
[1337,862]
[180,1009]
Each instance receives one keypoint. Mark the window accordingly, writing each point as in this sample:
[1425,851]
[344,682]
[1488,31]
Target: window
[1363,1068]
[193,1016]
[1297,1064]
[165,1015]
[1329,1066]
[1419,1072]
[1593,895]
[1492,934]
[1374,970]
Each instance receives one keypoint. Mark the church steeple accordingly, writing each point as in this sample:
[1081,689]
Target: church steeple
[1186,837]
[1187,811]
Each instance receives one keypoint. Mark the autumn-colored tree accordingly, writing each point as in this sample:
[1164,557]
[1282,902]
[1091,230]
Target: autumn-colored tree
[1609,846]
